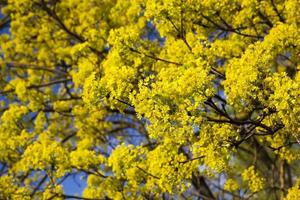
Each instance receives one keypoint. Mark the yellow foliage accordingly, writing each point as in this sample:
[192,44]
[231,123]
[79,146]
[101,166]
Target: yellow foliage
[150,99]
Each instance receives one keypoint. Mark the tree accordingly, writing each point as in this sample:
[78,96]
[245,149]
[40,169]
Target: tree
[150,99]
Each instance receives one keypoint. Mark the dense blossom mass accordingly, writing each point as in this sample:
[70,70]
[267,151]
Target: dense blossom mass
[150,99]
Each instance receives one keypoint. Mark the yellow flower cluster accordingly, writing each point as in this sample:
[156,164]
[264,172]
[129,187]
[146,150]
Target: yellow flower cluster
[231,185]
[293,192]
[43,154]
[254,181]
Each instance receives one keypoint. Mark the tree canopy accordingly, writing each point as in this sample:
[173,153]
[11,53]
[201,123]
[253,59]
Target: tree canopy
[150,99]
